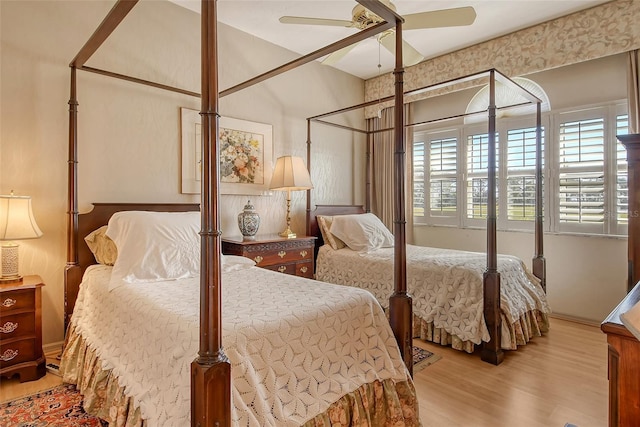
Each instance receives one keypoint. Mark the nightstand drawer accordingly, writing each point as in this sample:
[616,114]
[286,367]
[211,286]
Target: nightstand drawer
[17,300]
[283,268]
[305,269]
[17,325]
[16,352]
[283,255]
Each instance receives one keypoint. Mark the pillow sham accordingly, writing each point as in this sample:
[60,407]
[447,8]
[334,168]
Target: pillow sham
[103,248]
[154,246]
[324,222]
[361,232]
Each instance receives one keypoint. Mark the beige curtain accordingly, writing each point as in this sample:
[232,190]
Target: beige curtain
[382,179]
[633,89]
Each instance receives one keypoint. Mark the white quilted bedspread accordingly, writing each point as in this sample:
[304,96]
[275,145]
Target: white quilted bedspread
[295,345]
[446,285]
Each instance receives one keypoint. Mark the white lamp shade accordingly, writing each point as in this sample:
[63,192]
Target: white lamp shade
[290,174]
[16,219]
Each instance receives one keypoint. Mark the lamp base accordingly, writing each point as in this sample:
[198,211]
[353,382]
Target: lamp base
[5,280]
[288,234]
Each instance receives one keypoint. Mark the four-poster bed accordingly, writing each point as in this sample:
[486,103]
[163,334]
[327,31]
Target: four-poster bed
[525,321]
[211,376]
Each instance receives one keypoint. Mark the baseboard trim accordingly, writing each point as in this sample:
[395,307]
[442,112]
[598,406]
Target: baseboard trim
[574,319]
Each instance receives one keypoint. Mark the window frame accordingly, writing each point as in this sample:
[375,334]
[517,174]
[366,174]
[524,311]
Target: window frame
[550,122]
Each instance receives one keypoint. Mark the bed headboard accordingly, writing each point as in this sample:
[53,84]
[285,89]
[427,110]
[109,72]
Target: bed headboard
[329,210]
[96,218]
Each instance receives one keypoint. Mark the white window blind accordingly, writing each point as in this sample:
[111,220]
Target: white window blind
[622,190]
[418,179]
[521,173]
[581,172]
[443,166]
[477,172]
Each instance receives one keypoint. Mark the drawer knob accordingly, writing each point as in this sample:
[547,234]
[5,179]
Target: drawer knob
[258,259]
[281,254]
[9,302]
[303,254]
[8,327]
[282,268]
[8,355]
[304,269]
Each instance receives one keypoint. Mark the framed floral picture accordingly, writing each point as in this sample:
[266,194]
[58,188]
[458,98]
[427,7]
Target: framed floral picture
[246,155]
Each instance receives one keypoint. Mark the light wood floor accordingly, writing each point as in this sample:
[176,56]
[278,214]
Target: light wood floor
[556,379]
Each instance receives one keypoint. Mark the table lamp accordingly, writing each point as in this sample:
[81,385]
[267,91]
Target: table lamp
[290,174]
[16,223]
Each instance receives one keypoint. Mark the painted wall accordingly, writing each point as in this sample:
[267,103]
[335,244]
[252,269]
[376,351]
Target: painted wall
[586,275]
[129,135]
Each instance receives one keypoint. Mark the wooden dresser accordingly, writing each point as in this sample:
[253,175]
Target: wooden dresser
[21,329]
[624,366]
[289,256]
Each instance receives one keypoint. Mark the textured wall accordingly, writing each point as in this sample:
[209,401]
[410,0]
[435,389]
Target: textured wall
[129,135]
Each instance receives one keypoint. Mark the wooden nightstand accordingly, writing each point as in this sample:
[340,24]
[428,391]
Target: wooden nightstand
[289,256]
[21,329]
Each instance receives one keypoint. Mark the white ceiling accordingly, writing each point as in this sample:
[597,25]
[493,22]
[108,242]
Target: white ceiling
[494,18]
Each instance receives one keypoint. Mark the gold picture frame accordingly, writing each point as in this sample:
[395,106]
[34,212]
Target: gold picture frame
[246,155]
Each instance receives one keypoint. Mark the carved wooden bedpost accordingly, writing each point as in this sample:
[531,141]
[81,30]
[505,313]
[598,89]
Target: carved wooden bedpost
[400,303]
[492,350]
[211,370]
[538,263]
[308,217]
[72,271]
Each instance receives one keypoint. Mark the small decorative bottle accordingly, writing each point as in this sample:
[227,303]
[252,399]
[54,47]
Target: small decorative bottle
[248,221]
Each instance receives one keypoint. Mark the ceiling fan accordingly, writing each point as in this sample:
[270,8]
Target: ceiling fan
[363,18]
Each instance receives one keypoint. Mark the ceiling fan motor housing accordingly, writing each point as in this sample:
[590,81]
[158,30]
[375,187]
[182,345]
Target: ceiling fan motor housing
[363,18]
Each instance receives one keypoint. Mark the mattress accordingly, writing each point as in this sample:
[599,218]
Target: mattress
[447,290]
[295,345]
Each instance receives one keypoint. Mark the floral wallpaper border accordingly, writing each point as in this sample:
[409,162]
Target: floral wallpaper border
[603,30]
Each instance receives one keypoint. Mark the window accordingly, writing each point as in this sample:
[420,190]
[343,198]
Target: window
[521,173]
[443,166]
[622,191]
[435,167]
[584,172]
[581,173]
[477,174]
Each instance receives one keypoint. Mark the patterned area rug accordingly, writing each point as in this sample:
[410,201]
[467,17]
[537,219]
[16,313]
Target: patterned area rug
[60,406]
[423,358]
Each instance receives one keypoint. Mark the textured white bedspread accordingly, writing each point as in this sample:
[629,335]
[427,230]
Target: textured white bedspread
[295,345]
[446,285]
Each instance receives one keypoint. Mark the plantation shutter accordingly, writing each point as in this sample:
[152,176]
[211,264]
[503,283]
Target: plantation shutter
[443,165]
[418,179]
[581,172]
[521,178]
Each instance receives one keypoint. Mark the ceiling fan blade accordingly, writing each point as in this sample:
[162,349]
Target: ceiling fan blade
[336,56]
[410,56]
[455,17]
[315,21]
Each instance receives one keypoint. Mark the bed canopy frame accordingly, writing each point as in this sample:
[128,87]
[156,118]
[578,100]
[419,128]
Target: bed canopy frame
[399,312]
[211,370]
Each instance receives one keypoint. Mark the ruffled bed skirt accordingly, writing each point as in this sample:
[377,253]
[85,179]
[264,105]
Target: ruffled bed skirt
[375,404]
[532,324]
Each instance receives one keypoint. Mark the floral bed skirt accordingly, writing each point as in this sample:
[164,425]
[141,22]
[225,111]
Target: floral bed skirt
[531,324]
[378,403]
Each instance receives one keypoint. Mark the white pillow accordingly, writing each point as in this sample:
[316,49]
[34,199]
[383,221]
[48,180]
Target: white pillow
[361,232]
[154,246]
